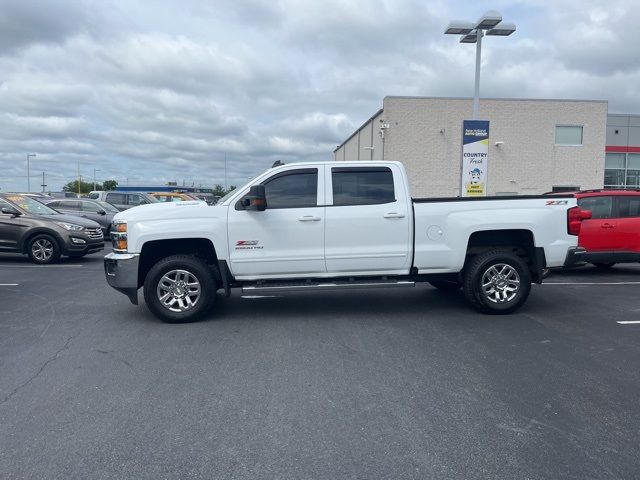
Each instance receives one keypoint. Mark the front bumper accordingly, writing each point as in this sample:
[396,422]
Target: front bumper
[121,271]
[73,244]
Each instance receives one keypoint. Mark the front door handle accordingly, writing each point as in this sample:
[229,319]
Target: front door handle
[309,218]
[393,215]
[607,225]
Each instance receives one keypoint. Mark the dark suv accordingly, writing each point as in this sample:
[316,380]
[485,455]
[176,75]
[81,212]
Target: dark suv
[29,227]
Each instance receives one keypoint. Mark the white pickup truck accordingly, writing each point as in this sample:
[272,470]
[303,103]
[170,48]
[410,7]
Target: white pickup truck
[331,225]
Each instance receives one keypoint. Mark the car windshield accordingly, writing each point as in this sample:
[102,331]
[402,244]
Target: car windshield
[30,205]
[108,207]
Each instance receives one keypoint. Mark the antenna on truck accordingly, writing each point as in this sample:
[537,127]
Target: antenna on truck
[277,163]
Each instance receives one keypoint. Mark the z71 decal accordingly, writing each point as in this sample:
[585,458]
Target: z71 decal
[557,202]
[248,245]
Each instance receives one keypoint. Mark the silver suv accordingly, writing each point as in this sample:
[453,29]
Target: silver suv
[124,200]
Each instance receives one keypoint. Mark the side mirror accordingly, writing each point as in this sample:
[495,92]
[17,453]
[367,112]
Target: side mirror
[11,211]
[256,200]
[102,212]
[585,214]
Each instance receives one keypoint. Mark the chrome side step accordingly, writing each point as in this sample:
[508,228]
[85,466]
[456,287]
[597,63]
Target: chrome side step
[292,287]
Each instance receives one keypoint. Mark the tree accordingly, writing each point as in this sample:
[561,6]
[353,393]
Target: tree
[220,191]
[109,185]
[85,187]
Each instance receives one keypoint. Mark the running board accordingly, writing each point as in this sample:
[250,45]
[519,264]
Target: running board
[292,287]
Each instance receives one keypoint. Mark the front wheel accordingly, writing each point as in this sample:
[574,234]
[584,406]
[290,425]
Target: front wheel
[497,282]
[180,289]
[43,249]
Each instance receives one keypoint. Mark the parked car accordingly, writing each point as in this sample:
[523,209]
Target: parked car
[100,212]
[328,225]
[125,200]
[172,197]
[63,194]
[610,234]
[34,229]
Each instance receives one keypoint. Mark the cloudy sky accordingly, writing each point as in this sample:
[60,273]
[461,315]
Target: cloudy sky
[149,92]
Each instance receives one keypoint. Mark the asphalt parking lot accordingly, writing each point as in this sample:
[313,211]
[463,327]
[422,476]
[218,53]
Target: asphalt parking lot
[398,383]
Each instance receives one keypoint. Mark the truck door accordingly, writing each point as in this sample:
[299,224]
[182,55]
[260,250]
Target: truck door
[286,239]
[628,223]
[368,221]
[598,234]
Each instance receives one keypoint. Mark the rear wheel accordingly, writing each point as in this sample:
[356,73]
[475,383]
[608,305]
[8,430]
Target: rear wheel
[497,282]
[180,288]
[604,265]
[43,249]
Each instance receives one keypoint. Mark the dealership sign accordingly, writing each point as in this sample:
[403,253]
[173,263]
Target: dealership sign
[475,156]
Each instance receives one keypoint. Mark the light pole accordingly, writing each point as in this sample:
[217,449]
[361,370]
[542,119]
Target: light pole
[489,24]
[29,155]
[94,177]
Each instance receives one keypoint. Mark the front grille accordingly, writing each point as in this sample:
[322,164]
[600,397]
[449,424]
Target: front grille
[93,232]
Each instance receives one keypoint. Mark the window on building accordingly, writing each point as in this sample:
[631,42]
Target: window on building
[615,169]
[633,170]
[362,186]
[569,135]
[295,189]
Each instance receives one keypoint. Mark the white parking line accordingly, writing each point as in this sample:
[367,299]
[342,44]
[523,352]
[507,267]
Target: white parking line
[9,284]
[629,322]
[40,266]
[591,283]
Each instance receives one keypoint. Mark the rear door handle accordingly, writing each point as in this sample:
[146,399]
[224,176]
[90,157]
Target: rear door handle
[393,215]
[309,218]
[607,225]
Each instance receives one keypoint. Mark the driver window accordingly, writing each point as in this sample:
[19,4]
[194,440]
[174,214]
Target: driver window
[294,189]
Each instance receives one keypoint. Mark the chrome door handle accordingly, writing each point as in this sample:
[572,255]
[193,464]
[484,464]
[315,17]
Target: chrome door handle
[393,215]
[309,218]
[607,225]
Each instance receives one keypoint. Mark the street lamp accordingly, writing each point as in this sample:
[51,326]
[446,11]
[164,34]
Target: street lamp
[489,24]
[29,155]
[94,178]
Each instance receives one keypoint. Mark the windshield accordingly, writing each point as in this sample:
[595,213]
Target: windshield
[30,205]
[108,207]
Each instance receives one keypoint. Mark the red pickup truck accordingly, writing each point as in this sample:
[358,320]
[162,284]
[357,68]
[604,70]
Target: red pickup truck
[611,234]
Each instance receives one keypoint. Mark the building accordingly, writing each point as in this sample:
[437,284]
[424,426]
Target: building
[622,159]
[535,146]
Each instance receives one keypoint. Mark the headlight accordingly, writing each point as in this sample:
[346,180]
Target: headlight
[70,226]
[119,235]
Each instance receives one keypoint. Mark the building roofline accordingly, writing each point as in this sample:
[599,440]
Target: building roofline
[358,130]
[500,99]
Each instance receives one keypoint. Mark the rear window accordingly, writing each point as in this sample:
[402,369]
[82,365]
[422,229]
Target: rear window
[362,186]
[600,206]
[629,206]
[118,198]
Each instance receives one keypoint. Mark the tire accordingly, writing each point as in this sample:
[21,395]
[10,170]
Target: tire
[604,265]
[446,285]
[43,249]
[169,277]
[510,282]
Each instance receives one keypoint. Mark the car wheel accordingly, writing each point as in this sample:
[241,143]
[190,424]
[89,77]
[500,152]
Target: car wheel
[497,282]
[43,249]
[604,265]
[180,288]
[446,285]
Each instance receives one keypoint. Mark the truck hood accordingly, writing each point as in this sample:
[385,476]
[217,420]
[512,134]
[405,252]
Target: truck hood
[163,211]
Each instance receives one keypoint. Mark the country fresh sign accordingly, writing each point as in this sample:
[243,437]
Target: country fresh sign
[475,156]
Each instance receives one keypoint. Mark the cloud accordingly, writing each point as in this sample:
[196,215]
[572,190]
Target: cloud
[167,92]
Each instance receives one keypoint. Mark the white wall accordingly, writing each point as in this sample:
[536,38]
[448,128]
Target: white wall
[426,135]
